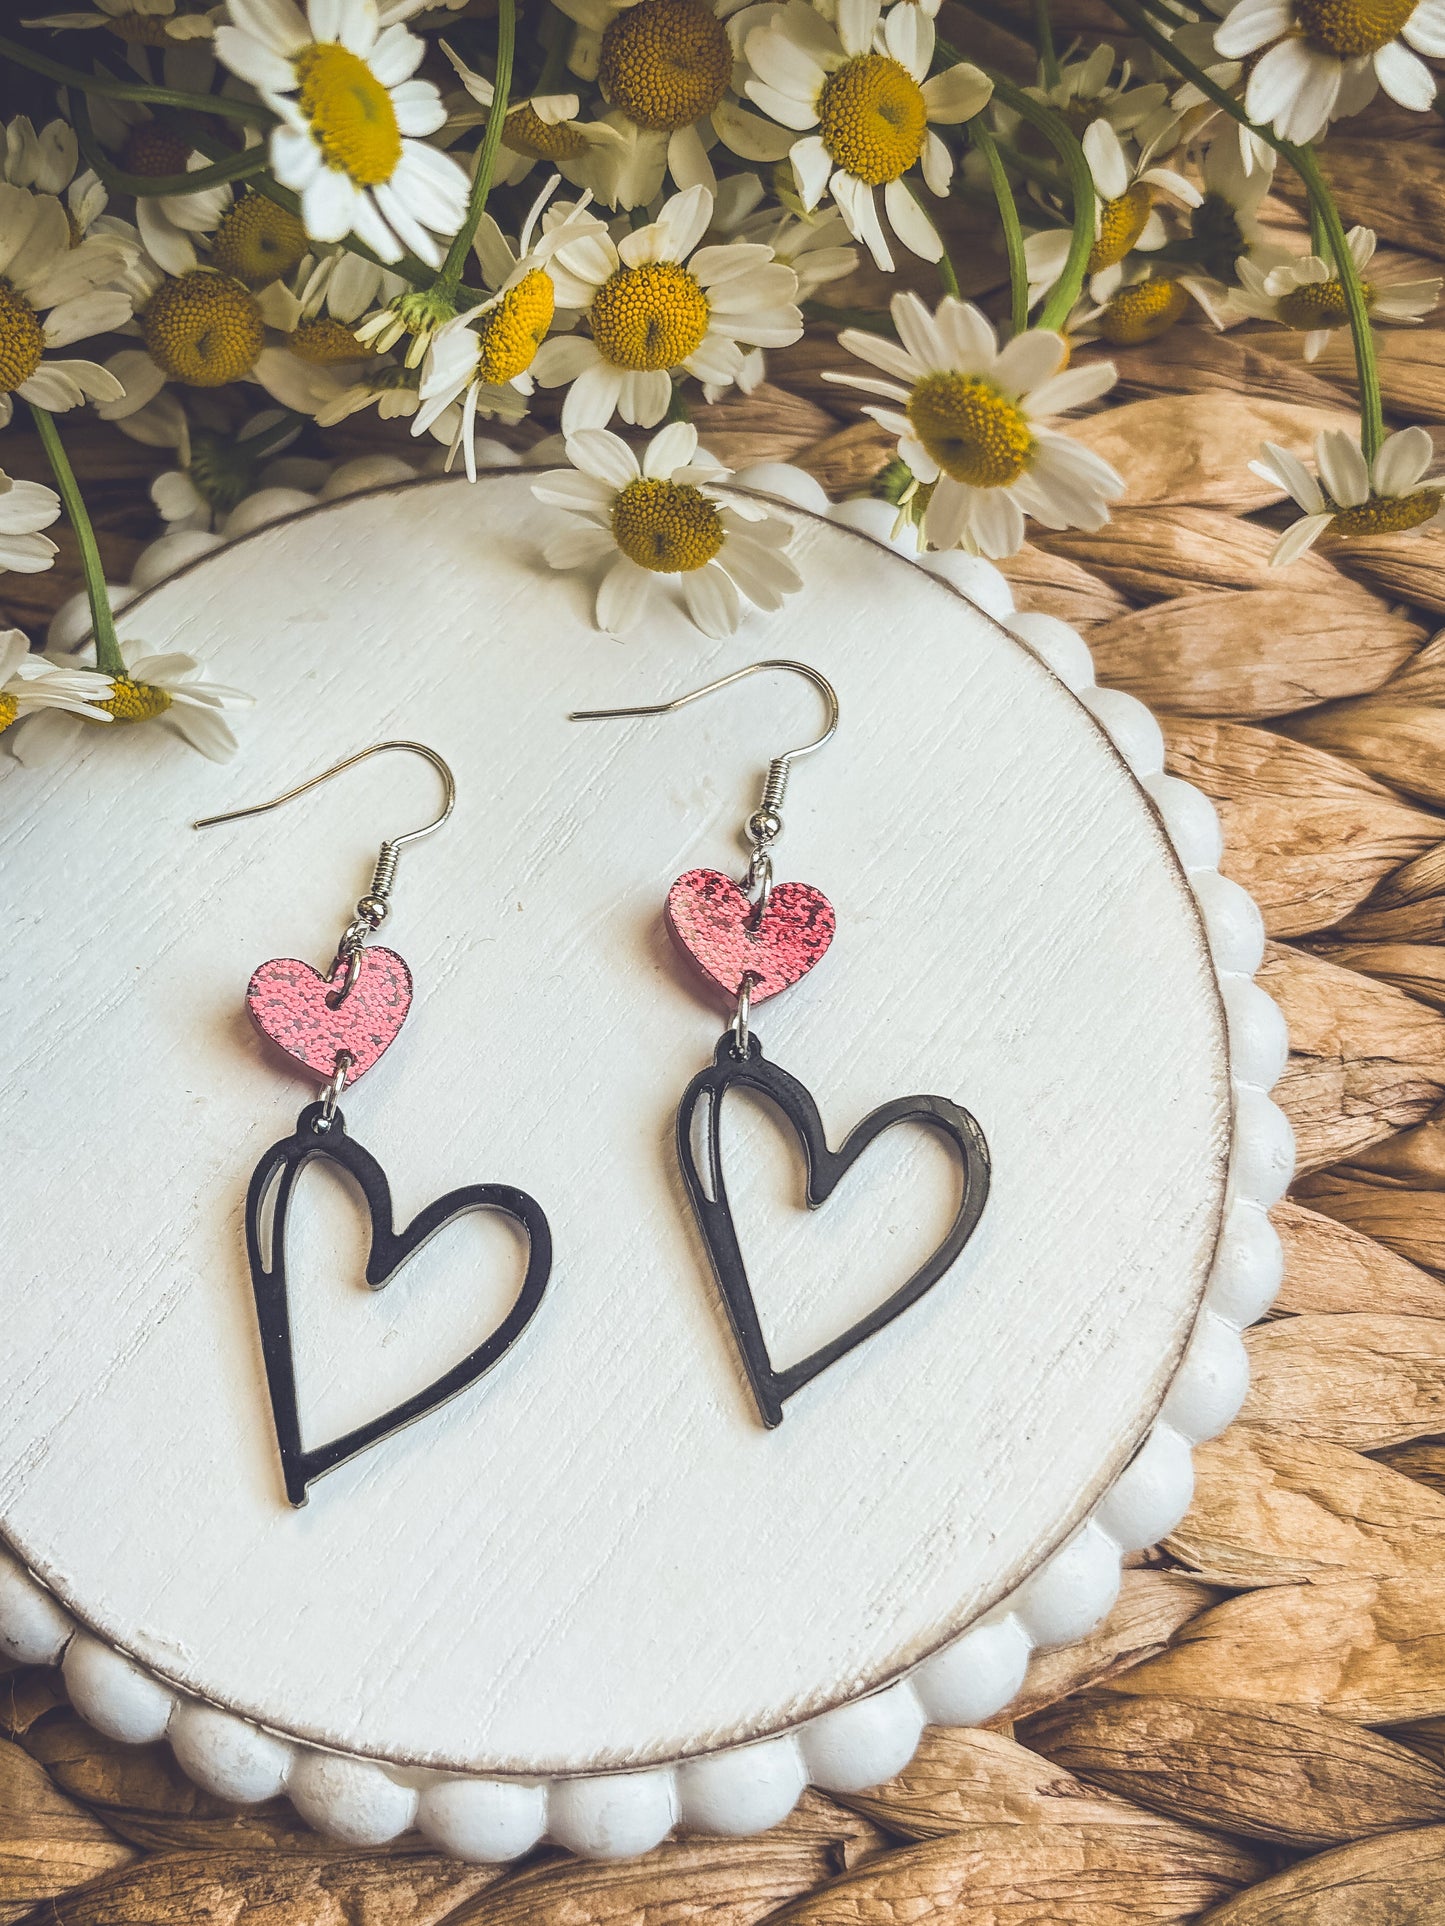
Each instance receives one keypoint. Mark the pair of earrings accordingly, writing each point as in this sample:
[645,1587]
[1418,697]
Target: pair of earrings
[748,940]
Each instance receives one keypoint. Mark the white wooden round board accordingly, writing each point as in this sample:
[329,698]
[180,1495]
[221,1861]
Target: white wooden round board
[562,1602]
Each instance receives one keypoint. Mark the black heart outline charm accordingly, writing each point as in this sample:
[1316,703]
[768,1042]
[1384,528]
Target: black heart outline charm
[272,1184]
[825,1170]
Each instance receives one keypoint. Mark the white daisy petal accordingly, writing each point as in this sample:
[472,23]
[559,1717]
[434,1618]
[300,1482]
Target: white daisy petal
[957,94]
[1402,461]
[910,223]
[604,456]
[1342,467]
[670,449]
[1405,77]
[1029,360]
[1297,538]
[712,600]
[622,596]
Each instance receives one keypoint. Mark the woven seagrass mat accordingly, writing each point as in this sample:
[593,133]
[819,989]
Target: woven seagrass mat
[1257,1732]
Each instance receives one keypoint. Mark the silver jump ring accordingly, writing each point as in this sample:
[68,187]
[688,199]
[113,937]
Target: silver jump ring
[335,1084]
[760,878]
[351,949]
[742,1014]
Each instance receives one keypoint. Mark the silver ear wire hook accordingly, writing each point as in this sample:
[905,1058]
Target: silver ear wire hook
[374,906]
[765,824]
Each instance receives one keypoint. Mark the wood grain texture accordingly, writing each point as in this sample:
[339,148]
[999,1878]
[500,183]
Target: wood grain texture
[599,1560]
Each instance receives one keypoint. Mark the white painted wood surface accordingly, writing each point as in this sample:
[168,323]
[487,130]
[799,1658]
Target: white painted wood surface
[596,1559]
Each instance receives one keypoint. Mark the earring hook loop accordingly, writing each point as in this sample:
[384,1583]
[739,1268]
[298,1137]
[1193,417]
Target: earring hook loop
[374,906]
[819,681]
[765,824]
[439,763]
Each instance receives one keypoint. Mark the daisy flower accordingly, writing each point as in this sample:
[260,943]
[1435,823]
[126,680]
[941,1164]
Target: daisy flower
[589,154]
[351,117]
[667,70]
[1305,294]
[654,307]
[1390,497]
[145,23]
[30,683]
[483,358]
[253,238]
[205,329]
[1225,223]
[218,468]
[864,86]
[661,520]
[53,294]
[1125,218]
[970,424]
[25,508]
[153,687]
[1318,59]
[1146,306]
[1086,91]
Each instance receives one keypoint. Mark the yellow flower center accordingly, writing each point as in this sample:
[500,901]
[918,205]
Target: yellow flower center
[21,341]
[154,151]
[258,241]
[350,112]
[873,119]
[1143,312]
[525,132]
[324,340]
[509,336]
[649,317]
[203,329]
[1353,27]
[1318,304]
[971,431]
[1388,514]
[666,526]
[1121,222]
[136,701]
[666,63]
[9,709]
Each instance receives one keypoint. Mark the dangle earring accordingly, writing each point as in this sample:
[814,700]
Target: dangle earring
[336,1027]
[750,941]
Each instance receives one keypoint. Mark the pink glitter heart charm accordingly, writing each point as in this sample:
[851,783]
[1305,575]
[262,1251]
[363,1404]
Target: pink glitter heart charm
[714,923]
[288,1003]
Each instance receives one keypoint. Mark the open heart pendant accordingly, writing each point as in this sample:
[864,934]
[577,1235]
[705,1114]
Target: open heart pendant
[738,1063]
[268,1203]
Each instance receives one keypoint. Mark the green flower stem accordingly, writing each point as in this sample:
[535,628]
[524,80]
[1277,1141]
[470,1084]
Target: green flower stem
[1367,371]
[875,320]
[451,274]
[1322,209]
[108,658]
[1070,284]
[239,167]
[111,89]
[1008,213]
[1044,32]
